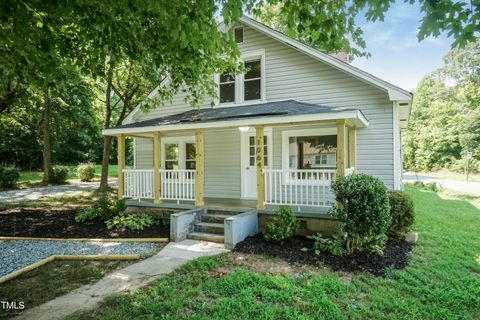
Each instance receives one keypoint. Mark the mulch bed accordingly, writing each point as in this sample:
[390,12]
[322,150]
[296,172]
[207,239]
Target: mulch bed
[48,223]
[395,255]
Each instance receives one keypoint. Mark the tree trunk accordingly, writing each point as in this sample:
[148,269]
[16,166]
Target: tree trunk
[107,140]
[47,147]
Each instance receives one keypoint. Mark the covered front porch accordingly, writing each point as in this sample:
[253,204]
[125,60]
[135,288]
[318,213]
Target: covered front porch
[280,162]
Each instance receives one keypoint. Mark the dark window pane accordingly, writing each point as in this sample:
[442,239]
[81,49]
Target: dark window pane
[265,140]
[190,151]
[252,151]
[253,69]
[314,152]
[227,92]
[227,77]
[190,165]
[171,165]
[252,161]
[252,90]
[171,151]
[239,35]
[266,161]
[265,150]
[252,140]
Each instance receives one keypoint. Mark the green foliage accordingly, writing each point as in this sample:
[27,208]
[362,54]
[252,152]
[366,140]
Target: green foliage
[86,171]
[282,226]
[107,207]
[334,245]
[9,176]
[430,186]
[135,222]
[364,210]
[402,213]
[59,174]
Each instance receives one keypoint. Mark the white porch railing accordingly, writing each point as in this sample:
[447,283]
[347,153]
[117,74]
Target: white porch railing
[299,187]
[138,183]
[177,184]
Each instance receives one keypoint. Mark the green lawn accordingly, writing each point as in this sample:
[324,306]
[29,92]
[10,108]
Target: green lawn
[32,177]
[442,281]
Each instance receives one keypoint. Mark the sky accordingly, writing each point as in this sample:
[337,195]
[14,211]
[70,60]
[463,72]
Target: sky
[396,54]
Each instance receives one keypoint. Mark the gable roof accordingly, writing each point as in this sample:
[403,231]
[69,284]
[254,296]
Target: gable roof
[261,113]
[395,93]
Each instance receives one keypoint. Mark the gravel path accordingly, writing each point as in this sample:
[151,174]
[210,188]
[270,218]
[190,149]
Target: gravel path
[50,191]
[17,254]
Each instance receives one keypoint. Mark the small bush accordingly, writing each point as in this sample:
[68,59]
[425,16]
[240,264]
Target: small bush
[402,213]
[334,245]
[86,171]
[283,225]
[9,176]
[364,209]
[106,208]
[135,222]
[431,186]
[59,174]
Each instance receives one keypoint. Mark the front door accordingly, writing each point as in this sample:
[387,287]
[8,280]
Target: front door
[249,170]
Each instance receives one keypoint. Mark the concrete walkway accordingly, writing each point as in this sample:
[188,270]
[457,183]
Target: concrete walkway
[49,191]
[133,277]
[468,187]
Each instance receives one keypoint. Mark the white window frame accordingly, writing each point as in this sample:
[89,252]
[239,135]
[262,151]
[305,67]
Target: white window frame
[239,82]
[287,134]
[182,152]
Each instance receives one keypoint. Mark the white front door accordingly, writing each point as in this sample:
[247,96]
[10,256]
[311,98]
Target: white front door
[249,171]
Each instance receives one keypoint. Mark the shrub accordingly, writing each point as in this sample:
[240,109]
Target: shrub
[401,212]
[283,225]
[133,222]
[364,210]
[86,171]
[334,245]
[106,208]
[9,176]
[59,174]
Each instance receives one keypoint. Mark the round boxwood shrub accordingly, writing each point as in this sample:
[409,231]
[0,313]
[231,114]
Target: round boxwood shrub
[402,213]
[282,226]
[364,209]
[9,176]
[86,171]
[59,174]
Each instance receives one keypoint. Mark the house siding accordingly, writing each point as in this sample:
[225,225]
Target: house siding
[290,74]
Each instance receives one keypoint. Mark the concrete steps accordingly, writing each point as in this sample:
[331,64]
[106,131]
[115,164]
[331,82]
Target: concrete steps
[210,226]
[204,236]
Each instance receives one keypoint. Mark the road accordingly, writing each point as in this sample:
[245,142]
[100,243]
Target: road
[472,188]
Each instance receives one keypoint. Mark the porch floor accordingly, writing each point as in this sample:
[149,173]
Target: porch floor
[212,203]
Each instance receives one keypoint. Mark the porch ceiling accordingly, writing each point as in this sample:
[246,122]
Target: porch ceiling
[271,113]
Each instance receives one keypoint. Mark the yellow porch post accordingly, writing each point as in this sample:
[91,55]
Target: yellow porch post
[199,168]
[260,167]
[121,165]
[340,148]
[156,166]
[352,147]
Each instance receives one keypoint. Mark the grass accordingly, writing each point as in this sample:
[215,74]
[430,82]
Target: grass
[442,281]
[53,280]
[81,199]
[443,174]
[35,177]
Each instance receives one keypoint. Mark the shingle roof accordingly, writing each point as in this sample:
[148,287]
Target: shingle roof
[269,109]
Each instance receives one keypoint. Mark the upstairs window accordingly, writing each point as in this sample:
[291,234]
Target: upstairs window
[227,87]
[253,80]
[238,33]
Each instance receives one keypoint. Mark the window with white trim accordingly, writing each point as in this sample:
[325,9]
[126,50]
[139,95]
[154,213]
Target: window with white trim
[238,34]
[312,152]
[178,153]
[171,156]
[252,80]
[227,87]
[190,152]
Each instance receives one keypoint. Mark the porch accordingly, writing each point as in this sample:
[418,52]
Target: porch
[301,178]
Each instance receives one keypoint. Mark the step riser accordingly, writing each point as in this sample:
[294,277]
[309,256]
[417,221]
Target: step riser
[206,238]
[225,213]
[212,219]
[209,229]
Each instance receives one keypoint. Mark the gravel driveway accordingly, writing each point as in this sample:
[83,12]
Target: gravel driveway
[18,254]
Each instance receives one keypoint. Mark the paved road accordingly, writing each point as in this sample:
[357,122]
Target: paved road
[49,191]
[468,187]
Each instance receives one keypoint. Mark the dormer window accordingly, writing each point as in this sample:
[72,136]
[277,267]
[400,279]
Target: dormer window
[238,33]
[227,87]
[253,80]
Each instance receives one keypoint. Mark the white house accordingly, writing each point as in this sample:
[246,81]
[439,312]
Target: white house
[278,135]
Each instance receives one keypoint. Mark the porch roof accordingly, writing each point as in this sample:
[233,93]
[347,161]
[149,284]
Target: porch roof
[269,113]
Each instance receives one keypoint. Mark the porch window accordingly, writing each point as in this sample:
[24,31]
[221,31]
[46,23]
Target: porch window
[312,152]
[227,87]
[253,80]
[171,156]
[190,153]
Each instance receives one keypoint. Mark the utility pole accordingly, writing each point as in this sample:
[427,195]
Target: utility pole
[469,157]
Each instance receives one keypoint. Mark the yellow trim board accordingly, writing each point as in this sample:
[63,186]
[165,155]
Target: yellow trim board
[159,240]
[42,262]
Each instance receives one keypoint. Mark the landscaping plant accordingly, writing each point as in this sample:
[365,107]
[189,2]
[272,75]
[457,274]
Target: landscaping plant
[9,176]
[107,207]
[135,222]
[59,174]
[401,212]
[364,209]
[283,225]
[334,245]
[86,171]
